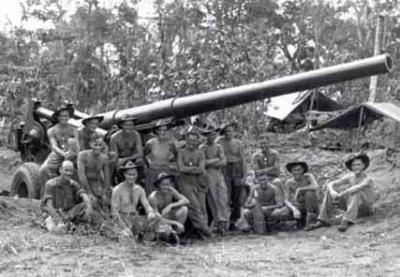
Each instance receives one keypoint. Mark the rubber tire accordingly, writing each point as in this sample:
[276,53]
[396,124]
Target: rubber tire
[26,181]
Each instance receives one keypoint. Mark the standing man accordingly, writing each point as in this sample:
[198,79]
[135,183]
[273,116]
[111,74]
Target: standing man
[217,196]
[93,172]
[192,183]
[125,200]
[86,133]
[301,193]
[126,145]
[160,153]
[64,200]
[235,170]
[356,198]
[58,136]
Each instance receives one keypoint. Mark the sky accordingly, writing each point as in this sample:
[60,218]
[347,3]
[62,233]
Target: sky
[11,11]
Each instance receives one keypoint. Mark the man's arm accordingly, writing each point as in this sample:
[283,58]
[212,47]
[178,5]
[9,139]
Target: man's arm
[343,180]
[145,203]
[115,205]
[82,172]
[154,203]
[181,165]
[250,199]
[221,157]
[313,185]
[353,189]
[243,159]
[51,133]
[181,201]
[286,201]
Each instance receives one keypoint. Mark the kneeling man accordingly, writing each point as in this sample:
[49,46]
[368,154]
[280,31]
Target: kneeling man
[301,193]
[64,201]
[168,203]
[356,199]
[125,200]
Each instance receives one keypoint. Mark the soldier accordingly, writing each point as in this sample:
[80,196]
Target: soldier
[266,161]
[192,183]
[125,145]
[356,199]
[235,170]
[168,203]
[217,196]
[93,172]
[264,204]
[59,137]
[86,133]
[125,200]
[64,200]
[301,193]
[160,153]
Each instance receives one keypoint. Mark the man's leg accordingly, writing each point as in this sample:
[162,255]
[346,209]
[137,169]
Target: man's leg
[236,204]
[326,208]
[180,214]
[195,214]
[310,207]
[212,197]
[222,202]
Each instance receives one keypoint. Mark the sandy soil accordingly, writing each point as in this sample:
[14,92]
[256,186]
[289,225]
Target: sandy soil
[371,248]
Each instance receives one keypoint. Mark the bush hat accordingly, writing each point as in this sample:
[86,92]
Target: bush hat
[92,117]
[67,108]
[304,165]
[363,157]
[162,176]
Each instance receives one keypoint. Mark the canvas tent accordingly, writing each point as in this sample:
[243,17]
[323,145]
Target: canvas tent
[380,122]
[360,115]
[291,109]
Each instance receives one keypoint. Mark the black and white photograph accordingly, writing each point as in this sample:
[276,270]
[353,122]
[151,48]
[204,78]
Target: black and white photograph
[226,138]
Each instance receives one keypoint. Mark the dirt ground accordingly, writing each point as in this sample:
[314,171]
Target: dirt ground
[371,248]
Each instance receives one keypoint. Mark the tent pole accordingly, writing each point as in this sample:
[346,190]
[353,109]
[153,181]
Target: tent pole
[360,121]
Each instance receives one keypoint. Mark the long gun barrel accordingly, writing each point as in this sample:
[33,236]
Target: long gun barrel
[181,107]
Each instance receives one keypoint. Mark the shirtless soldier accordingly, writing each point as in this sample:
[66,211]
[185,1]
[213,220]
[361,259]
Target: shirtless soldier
[168,202]
[235,170]
[125,200]
[126,145]
[93,172]
[266,161]
[160,153]
[301,193]
[58,136]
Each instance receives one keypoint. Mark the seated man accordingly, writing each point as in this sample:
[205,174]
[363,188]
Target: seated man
[264,204]
[168,203]
[125,200]
[301,193]
[59,138]
[356,199]
[64,201]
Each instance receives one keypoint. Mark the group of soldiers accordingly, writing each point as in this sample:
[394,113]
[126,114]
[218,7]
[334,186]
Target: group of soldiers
[198,188]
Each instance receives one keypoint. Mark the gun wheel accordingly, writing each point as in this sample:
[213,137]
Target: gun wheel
[26,181]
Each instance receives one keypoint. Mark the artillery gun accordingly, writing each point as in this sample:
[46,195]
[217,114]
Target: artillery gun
[31,137]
